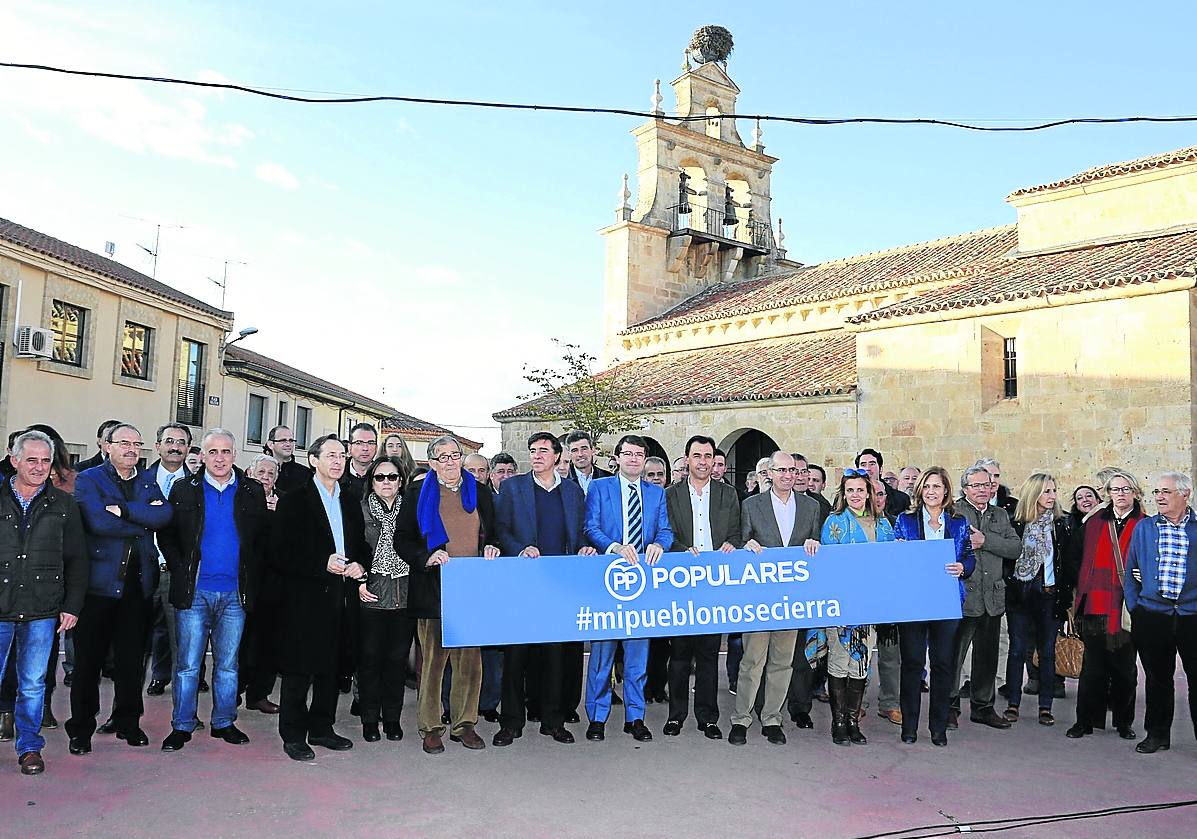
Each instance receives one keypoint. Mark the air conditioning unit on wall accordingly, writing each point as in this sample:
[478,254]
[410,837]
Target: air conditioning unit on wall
[33,342]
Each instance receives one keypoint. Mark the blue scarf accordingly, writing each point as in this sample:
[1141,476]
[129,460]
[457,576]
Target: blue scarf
[428,507]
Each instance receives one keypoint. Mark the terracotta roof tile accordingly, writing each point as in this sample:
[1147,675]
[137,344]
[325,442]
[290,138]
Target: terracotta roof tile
[73,255]
[1101,266]
[777,369]
[1110,170]
[856,275]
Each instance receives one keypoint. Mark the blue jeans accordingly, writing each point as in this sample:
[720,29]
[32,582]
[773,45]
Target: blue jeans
[1031,613]
[27,644]
[220,614]
[598,679]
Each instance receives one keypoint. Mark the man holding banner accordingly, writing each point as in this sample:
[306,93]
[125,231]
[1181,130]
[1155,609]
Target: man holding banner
[536,515]
[704,516]
[625,516]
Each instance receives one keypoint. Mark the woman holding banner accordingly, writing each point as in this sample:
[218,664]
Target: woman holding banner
[932,518]
[853,520]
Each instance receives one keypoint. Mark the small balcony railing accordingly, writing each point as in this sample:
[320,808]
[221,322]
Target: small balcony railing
[757,235]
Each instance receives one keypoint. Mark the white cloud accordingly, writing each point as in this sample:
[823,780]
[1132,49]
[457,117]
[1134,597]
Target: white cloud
[42,135]
[277,174]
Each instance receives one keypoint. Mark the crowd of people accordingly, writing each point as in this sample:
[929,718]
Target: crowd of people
[321,574]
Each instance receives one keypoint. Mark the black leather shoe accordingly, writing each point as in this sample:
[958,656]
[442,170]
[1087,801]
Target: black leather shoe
[393,731]
[332,741]
[79,745]
[940,739]
[774,734]
[738,735]
[203,686]
[953,719]
[490,715]
[48,719]
[156,688]
[910,738]
[1031,688]
[299,751]
[106,727]
[559,735]
[505,737]
[1079,730]
[711,731]
[638,730]
[68,679]
[572,717]
[176,740]
[1152,744]
[231,734]
[802,720]
[134,737]
[370,732]
[1126,732]
[672,728]
[990,718]
[445,719]
[355,709]
[596,731]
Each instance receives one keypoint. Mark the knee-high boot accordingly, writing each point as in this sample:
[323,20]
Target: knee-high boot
[837,688]
[855,698]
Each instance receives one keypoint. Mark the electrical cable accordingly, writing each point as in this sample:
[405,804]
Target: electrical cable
[997,825]
[577,109]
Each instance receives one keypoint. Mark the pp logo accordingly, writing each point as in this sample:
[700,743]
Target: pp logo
[624,581]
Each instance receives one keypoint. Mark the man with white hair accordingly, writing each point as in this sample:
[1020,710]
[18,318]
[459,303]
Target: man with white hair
[1160,587]
[214,548]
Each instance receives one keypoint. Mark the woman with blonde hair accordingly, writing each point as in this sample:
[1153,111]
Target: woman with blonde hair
[853,520]
[1037,595]
[933,517]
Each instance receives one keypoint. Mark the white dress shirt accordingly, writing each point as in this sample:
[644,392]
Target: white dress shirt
[928,532]
[700,506]
[785,515]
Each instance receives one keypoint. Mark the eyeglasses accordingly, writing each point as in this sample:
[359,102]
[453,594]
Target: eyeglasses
[1162,493]
[1120,490]
[856,473]
[127,444]
[171,441]
[362,442]
[387,476]
[788,470]
[976,486]
[451,457]
[283,440]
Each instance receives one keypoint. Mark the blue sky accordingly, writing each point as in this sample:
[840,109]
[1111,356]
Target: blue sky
[469,235]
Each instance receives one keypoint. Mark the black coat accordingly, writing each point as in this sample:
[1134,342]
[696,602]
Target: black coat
[291,475]
[424,587]
[1065,580]
[311,612]
[180,540]
[43,570]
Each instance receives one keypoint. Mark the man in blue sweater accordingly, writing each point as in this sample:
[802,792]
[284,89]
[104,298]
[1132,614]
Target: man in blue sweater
[1161,593]
[213,548]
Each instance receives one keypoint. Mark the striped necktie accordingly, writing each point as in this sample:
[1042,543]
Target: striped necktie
[635,519]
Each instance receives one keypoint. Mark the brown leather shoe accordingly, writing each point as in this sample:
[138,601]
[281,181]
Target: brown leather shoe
[32,764]
[468,738]
[263,705]
[433,744]
[894,716]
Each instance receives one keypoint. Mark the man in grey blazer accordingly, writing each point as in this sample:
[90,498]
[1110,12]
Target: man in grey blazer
[704,515]
[777,518]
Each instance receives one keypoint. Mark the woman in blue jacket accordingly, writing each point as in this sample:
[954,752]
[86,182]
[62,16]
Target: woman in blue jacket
[855,518]
[932,518]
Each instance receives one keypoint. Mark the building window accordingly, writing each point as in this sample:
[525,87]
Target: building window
[254,432]
[68,322]
[303,421]
[135,351]
[282,412]
[1010,370]
[190,401]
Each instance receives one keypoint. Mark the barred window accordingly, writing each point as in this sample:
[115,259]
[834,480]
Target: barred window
[1010,370]
[68,323]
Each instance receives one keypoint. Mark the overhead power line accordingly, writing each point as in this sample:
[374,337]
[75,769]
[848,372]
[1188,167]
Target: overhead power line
[579,109]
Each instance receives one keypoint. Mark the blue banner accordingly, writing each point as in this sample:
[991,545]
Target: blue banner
[515,600]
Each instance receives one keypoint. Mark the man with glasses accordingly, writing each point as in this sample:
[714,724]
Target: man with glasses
[1161,594]
[994,543]
[171,444]
[122,506]
[502,467]
[777,518]
[291,473]
[363,448]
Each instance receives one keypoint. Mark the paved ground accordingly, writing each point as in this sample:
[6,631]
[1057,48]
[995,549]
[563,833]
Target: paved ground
[674,787]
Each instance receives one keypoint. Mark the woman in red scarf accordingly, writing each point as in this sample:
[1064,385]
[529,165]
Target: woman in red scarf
[1109,674]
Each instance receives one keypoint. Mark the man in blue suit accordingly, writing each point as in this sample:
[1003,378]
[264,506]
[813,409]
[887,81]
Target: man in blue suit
[625,516]
[538,514]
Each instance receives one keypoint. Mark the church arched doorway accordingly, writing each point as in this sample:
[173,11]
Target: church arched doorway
[744,447]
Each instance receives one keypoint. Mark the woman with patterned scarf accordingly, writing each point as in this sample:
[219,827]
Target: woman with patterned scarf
[1097,559]
[854,519]
[1037,591]
[386,628]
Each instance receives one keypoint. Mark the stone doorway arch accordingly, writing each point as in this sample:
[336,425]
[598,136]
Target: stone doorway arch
[744,447]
